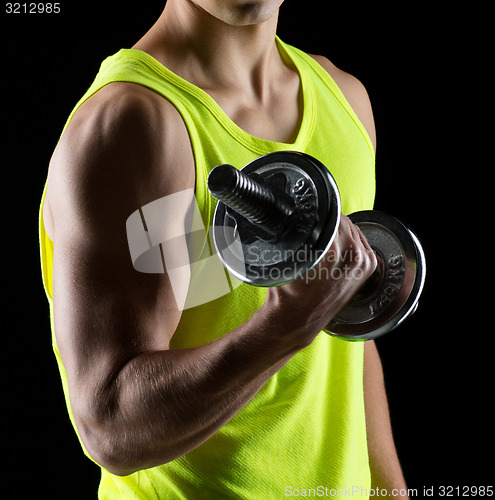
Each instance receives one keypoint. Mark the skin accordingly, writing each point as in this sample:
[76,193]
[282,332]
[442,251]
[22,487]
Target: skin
[113,325]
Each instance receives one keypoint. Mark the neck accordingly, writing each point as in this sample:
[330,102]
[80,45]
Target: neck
[212,53]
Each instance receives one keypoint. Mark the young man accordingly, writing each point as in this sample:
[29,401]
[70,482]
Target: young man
[240,397]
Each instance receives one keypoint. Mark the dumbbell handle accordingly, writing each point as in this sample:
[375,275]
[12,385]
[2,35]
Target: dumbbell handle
[257,203]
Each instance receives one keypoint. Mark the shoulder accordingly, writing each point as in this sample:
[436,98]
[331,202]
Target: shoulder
[354,91]
[127,127]
[120,151]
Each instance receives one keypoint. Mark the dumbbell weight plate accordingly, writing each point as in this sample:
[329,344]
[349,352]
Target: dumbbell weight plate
[403,274]
[262,260]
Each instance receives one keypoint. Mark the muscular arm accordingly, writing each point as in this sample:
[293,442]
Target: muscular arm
[136,402]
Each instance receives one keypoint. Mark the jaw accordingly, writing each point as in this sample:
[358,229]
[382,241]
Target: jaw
[240,12]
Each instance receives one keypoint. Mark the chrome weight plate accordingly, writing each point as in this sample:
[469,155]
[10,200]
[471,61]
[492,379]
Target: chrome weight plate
[394,290]
[287,252]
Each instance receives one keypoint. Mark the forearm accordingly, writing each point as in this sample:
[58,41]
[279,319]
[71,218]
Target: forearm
[163,404]
[386,472]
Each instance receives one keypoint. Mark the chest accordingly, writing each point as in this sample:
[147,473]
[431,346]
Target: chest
[276,117]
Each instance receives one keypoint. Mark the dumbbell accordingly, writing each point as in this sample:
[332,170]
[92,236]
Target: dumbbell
[277,217]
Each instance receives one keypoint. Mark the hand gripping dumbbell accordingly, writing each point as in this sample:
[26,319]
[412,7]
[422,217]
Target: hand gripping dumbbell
[277,218]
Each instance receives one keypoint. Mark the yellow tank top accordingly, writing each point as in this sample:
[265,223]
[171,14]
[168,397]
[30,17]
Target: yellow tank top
[305,429]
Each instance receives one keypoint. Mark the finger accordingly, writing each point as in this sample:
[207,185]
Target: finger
[343,224]
[362,237]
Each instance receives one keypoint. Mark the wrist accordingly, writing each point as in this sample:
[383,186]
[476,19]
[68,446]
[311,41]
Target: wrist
[289,323]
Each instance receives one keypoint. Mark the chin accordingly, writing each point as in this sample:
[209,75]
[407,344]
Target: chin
[241,12]
[252,12]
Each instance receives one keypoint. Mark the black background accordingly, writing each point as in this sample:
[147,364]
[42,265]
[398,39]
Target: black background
[437,365]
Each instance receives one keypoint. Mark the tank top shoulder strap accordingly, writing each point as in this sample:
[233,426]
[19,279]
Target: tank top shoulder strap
[324,82]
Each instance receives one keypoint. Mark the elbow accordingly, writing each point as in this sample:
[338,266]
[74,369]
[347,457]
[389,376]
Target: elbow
[107,450]
[110,454]
[102,441]
[119,469]
[119,449]
[116,467]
